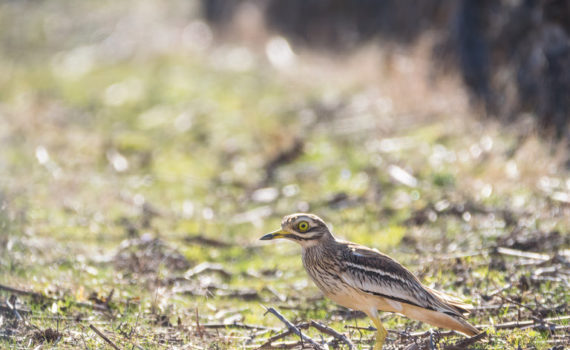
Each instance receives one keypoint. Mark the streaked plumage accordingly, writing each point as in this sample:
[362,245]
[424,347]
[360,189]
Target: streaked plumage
[360,278]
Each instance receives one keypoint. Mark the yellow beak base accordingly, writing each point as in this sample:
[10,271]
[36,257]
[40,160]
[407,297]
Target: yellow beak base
[275,234]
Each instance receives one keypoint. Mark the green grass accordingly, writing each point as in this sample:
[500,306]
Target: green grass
[167,144]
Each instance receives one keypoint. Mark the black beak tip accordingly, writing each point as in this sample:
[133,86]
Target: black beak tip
[267,237]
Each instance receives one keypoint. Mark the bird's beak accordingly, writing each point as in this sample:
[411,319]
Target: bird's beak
[275,234]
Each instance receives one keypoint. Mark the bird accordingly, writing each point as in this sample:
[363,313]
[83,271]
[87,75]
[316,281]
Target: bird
[364,279]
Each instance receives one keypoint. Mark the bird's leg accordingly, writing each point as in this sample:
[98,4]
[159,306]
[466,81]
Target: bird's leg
[381,332]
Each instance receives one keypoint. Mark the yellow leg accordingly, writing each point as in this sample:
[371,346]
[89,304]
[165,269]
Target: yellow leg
[381,332]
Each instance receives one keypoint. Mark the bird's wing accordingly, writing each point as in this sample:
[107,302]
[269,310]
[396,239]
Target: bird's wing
[375,273]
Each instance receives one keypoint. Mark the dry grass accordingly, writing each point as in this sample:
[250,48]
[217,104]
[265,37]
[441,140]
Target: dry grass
[134,191]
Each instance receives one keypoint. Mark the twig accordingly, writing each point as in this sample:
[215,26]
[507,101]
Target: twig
[369,328]
[294,329]
[550,327]
[11,302]
[458,255]
[518,304]
[557,318]
[20,291]
[10,309]
[373,329]
[499,291]
[203,240]
[330,331]
[45,297]
[235,325]
[282,298]
[522,254]
[284,156]
[524,324]
[428,332]
[268,343]
[463,344]
[109,297]
[198,328]
[207,267]
[431,341]
[513,324]
[285,345]
[104,337]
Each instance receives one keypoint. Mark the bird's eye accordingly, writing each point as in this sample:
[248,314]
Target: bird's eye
[303,226]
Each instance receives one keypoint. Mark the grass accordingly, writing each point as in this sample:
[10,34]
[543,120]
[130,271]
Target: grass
[122,172]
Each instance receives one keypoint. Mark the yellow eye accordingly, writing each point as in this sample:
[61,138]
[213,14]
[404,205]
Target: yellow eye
[303,226]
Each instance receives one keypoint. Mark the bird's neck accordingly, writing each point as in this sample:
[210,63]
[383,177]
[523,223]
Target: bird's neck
[319,244]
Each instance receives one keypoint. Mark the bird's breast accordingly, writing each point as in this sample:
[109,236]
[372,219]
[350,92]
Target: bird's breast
[325,272]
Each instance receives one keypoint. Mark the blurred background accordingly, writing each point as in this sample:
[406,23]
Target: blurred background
[145,146]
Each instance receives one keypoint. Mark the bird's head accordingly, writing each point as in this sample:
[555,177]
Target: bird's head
[305,229]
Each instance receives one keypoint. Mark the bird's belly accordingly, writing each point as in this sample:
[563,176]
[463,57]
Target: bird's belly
[358,300]
[351,298]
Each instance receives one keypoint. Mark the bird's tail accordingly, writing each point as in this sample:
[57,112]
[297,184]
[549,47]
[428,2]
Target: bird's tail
[440,319]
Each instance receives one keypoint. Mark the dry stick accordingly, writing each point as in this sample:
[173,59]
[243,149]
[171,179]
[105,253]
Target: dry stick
[136,345]
[440,333]
[108,300]
[522,254]
[45,297]
[276,337]
[369,328]
[19,291]
[502,305]
[294,329]
[462,344]
[431,341]
[104,337]
[550,327]
[269,342]
[11,302]
[285,345]
[207,267]
[400,333]
[205,241]
[236,325]
[198,328]
[458,255]
[282,298]
[557,318]
[10,309]
[330,331]
[499,291]
[506,325]
[522,324]
[517,304]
